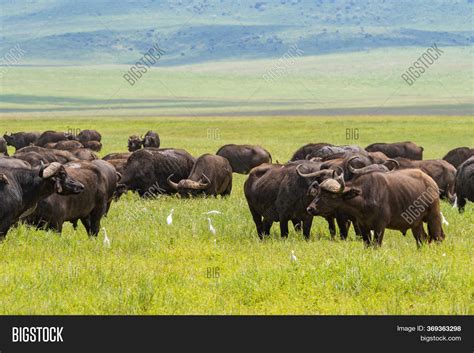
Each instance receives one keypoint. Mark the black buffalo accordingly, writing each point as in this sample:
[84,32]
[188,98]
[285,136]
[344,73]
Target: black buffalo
[151,139]
[3,147]
[465,183]
[99,181]
[93,145]
[211,175]
[458,155]
[243,158]
[405,149]
[117,155]
[135,142]
[22,188]
[21,139]
[308,151]
[442,172]
[35,155]
[400,200]
[66,145]
[89,135]
[147,170]
[277,193]
[51,137]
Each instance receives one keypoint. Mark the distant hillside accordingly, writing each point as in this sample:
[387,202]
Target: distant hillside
[105,32]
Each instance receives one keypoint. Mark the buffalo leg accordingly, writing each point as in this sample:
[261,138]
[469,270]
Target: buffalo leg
[343,223]
[365,233]
[284,228]
[267,225]
[86,223]
[332,226]
[418,234]
[378,236]
[307,227]
[95,218]
[435,229]
[257,219]
[461,204]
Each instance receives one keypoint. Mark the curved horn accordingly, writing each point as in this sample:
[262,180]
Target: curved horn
[350,167]
[207,182]
[309,175]
[171,183]
[51,170]
[395,164]
[41,169]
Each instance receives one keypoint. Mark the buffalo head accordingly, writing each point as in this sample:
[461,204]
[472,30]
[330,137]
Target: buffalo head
[56,174]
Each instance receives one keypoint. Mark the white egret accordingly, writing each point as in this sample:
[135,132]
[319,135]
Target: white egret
[293,256]
[169,219]
[444,219]
[106,238]
[211,228]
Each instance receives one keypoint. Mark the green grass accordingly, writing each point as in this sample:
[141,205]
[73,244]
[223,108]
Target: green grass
[153,268]
[352,80]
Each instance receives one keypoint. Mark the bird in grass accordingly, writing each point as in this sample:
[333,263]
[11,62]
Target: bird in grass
[106,238]
[444,219]
[293,257]
[169,219]
[213,212]
[211,228]
[455,204]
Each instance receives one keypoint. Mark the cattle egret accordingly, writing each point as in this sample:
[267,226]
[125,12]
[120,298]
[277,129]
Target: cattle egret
[293,256]
[455,204]
[213,212]
[444,219]
[106,238]
[211,228]
[169,219]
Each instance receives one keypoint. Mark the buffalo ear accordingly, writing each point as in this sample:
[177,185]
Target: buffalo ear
[313,189]
[4,179]
[350,193]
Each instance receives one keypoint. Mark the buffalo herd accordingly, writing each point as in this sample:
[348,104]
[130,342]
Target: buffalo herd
[55,177]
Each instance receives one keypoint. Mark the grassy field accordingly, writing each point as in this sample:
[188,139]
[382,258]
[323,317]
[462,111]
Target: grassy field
[368,79]
[153,268]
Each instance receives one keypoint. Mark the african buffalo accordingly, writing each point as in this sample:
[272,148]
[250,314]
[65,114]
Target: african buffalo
[11,162]
[151,139]
[52,136]
[147,170]
[134,143]
[89,135]
[399,200]
[331,151]
[308,151]
[3,147]
[465,184]
[118,164]
[442,172]
[243,158]
[93,145]
[21,139]
[458,155]
[117,155]
[99,179]
[22,188]
[64,145]
[84,154]
[277,193]
[211,175]
[36,154]
[405,149]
